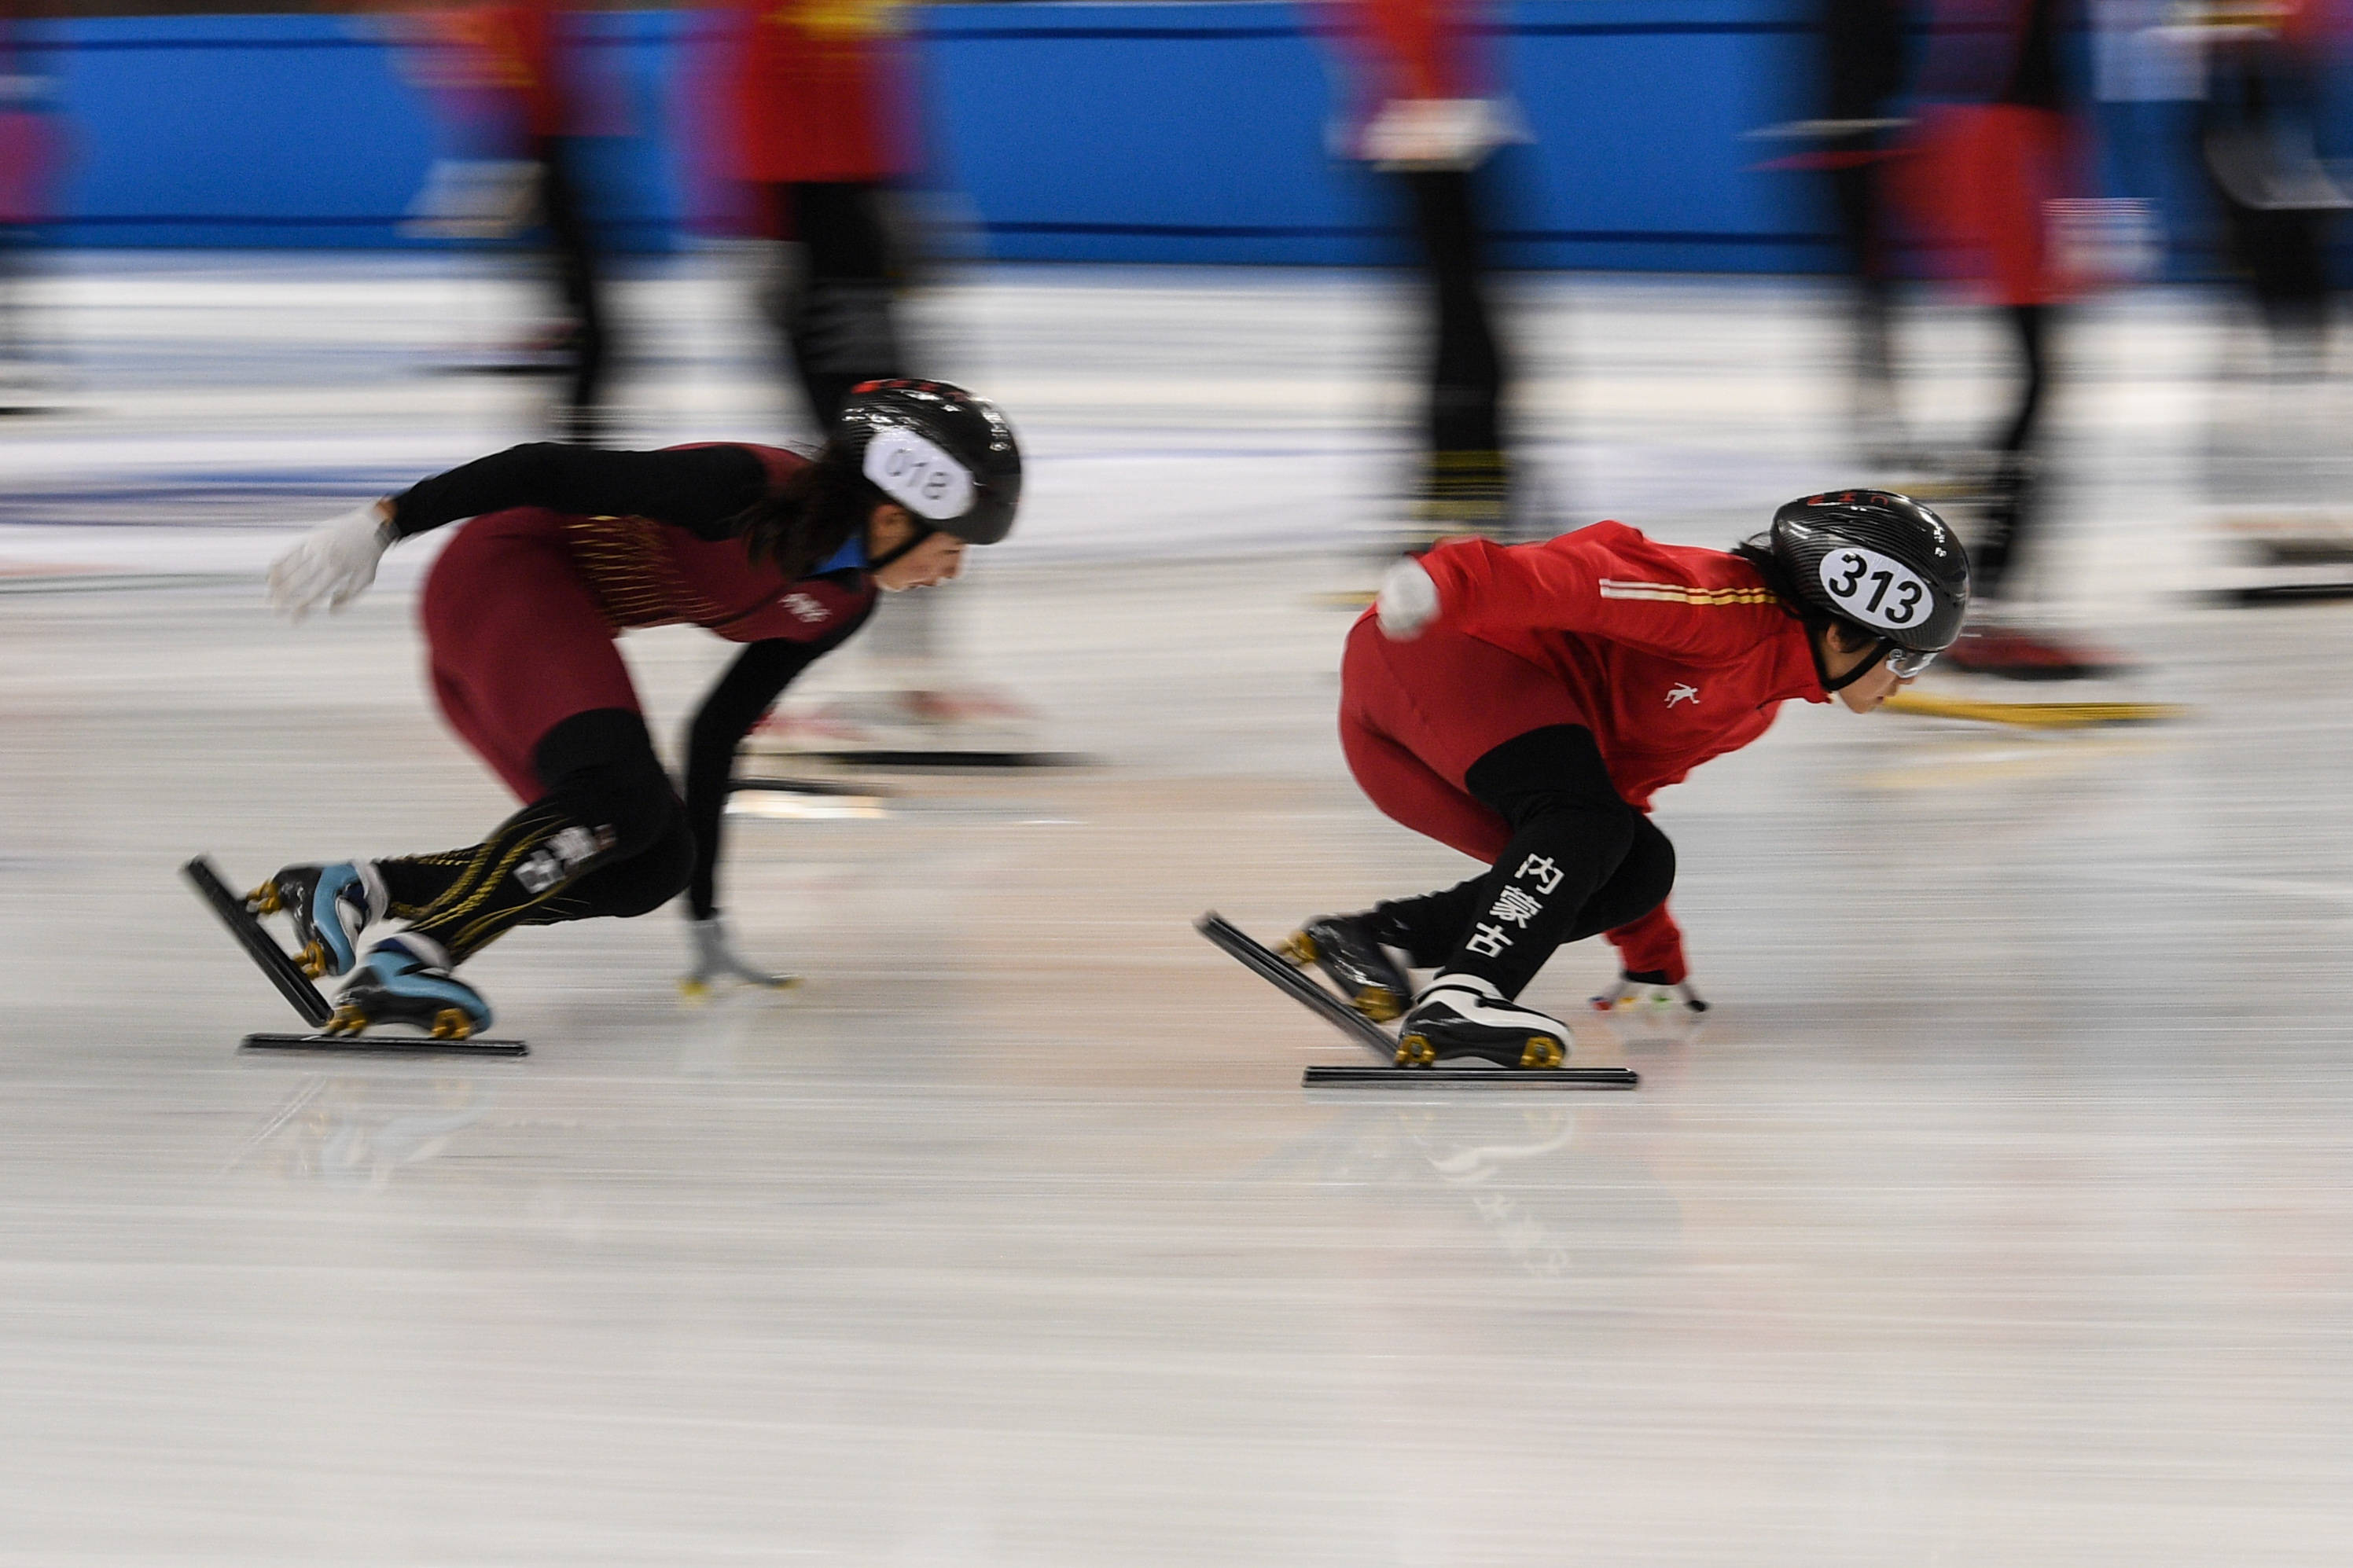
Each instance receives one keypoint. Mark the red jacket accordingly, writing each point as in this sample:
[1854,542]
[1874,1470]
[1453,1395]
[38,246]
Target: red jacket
[1675,654]
[1413,49]
[817,91]
[522,69]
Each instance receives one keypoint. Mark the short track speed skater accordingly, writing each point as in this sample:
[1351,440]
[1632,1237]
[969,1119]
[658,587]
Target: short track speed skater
[1337,1013]
[241,914]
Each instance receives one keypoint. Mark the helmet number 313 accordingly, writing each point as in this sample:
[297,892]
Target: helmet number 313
[1874,590]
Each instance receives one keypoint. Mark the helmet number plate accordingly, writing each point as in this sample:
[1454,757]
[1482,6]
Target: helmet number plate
[918,475]
[1869,587]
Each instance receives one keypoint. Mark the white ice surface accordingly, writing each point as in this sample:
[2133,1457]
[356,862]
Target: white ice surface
[1998,1215]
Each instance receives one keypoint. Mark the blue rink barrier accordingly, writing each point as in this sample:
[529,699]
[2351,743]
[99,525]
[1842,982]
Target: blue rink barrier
[1073,132]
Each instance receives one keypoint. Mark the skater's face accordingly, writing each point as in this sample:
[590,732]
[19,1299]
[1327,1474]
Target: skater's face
[938,559]
[1845,649]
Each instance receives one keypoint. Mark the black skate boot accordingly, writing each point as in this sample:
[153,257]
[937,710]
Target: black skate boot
[332,906]
[407,980]
[1464,1016]
[1345,948]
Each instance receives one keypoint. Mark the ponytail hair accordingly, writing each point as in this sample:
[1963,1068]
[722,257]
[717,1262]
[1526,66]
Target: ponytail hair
[822,506]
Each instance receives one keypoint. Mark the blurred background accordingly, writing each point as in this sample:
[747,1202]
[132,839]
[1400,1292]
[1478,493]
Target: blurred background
[1988,1220]
[1969,248]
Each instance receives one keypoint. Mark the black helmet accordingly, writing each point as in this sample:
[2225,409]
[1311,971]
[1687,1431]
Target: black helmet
[948,457]
[1879,560]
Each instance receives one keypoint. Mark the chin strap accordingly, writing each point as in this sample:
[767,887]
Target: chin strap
[921,534]
[1840,682]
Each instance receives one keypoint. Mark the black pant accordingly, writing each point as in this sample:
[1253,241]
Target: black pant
[1465,485]
[837,320]
[1580,861]
[2012,511]
[572,253]
[1466,368]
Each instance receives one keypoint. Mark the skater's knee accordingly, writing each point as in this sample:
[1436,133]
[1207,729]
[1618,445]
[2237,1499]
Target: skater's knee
[650,879]
[601,770]
[1640,883]
[1647,875]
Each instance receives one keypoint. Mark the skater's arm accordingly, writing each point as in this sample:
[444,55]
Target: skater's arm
[1698,605]
[753,682]
[699,488]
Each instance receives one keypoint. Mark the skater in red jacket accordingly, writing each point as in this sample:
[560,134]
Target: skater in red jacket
[1523,703]
[568,547]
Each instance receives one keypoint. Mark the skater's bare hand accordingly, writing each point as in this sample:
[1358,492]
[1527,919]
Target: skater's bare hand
[1409,601]
[335,562]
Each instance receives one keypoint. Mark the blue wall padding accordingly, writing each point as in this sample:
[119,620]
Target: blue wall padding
[300,130]
[1089,133]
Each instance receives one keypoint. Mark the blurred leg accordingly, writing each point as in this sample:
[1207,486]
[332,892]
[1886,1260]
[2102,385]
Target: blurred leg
[839,321]
[564,206]
[1465,485]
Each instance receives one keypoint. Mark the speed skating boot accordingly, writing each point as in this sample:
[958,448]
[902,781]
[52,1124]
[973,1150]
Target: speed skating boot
[1345,948]
[330,905]
[407,980]
[1464,1016]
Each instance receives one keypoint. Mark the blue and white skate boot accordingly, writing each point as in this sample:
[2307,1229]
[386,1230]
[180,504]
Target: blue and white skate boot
[1464,1016]
[407,980]
[331,907]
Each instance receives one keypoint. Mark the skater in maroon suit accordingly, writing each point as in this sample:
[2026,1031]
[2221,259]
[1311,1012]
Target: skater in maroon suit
[568,547]
[1523,703]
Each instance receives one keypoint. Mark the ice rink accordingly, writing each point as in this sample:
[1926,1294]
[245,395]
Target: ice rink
[1999,1213]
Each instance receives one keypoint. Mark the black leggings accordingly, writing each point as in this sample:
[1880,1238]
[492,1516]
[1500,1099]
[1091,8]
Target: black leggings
[610,838]
[839,320]
[572,251]
[2009,517]
[1580,861]
[1466,371]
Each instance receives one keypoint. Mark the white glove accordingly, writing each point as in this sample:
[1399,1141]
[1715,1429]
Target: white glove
[715,958]
[1409,601]
[335,562]
[1412,133]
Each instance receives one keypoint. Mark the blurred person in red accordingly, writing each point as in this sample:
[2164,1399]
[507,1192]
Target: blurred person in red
[28,166]
[2002,145]
[817,115]
[1427,116]
[519,82]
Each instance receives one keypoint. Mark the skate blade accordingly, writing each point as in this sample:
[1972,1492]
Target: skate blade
[281,971]
[1481,1076]
[388,1045]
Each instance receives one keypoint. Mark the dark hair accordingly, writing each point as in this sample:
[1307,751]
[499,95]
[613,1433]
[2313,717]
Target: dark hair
[1758,551]
[813,514]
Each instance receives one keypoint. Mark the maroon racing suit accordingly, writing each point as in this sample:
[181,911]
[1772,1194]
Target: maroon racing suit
[569,547]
